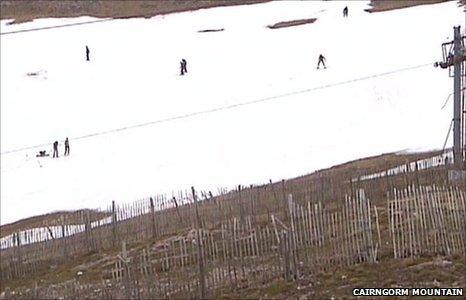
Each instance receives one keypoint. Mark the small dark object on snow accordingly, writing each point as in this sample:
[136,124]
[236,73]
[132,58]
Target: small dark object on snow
[55,149]
[321,61]
[67,147]
[87,53]
[42,153]
[211,30]
[345,11]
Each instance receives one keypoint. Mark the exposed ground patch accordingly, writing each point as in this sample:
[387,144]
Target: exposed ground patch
[292,23]
[24,11]
[338,283]
[28,10]
[384,5]
[51,219]
[211,30]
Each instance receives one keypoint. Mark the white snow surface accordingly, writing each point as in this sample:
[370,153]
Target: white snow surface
[133,78]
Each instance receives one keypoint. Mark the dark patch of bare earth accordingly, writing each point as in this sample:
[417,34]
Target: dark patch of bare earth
[292,23]
[28,10]
[212,30]
[384,5]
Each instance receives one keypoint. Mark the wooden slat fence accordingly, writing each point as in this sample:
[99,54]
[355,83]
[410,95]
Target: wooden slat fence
[295,239]
[427,220]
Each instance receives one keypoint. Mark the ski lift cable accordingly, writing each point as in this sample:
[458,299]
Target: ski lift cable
[227,107]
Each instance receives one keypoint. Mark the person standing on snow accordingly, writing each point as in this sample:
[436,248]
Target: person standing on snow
[183,67]
[321,61]
[87,53]
[67,147]
[345,11]
[55,149]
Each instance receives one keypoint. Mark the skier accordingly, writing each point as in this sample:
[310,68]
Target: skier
[321,60]
[67,147]
[87,53]
[183,67]
[345,11]
[55,149]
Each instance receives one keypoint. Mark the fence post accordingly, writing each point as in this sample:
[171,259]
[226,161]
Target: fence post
[87,226]
[202,294]
[114,220]
[284,245]
[152,211]
[178,210]
[127,276]
[283,201]
[19,263]
[292,237]
[241,208]
[63,238]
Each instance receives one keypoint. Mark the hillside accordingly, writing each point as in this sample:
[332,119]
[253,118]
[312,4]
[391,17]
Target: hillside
[258,173]
[132,136]
[86,264]
[24,11]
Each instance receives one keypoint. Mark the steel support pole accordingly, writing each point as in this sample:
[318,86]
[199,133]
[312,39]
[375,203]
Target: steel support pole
[457,107]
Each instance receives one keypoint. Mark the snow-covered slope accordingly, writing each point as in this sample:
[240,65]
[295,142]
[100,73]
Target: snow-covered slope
[133,78]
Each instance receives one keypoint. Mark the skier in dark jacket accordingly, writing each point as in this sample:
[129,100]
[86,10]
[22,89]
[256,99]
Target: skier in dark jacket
[67,147]
[321,61]
[55,149]
[345,11]
[87,53]
[183,67]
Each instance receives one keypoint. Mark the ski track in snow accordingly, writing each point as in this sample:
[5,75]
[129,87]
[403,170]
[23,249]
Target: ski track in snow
[133,78]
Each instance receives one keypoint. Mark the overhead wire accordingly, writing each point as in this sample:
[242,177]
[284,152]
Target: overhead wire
[227,107]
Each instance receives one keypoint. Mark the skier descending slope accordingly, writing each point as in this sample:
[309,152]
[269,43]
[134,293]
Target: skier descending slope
[183,67]
[87,53]
[345,11]
[321,61]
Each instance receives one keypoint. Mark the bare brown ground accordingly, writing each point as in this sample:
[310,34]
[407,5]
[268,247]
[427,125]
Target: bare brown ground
[334,283]
[292,23]
[338,283]
[385,5]
[27,10]
[51,219]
